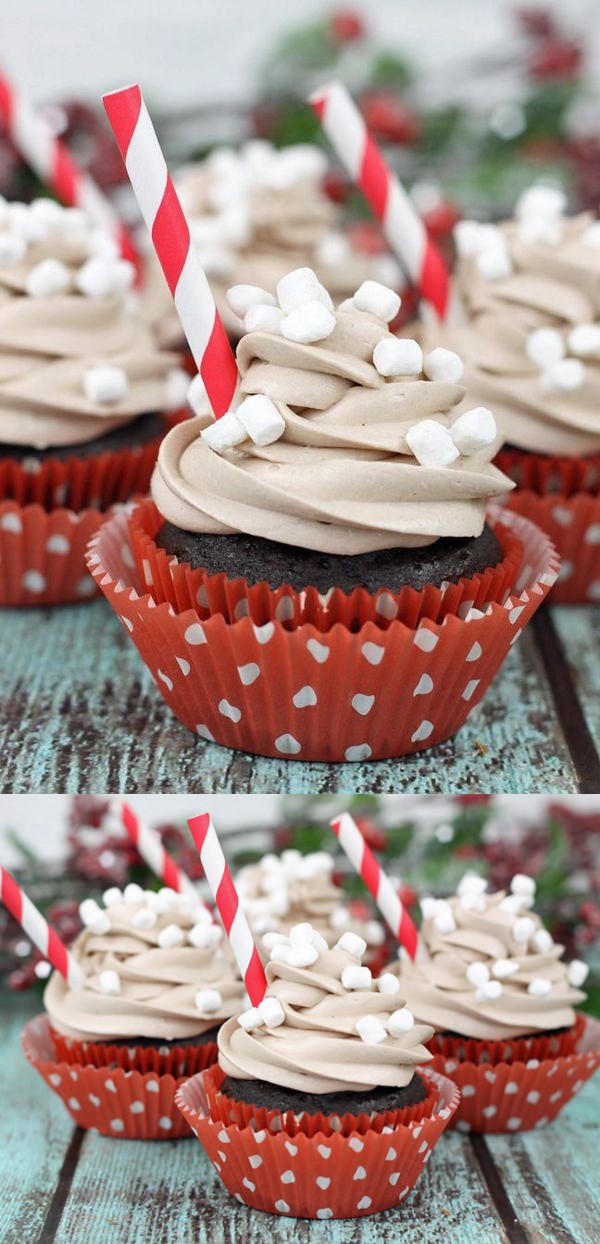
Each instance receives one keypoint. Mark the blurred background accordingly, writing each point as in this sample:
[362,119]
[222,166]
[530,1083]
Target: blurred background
[65,849]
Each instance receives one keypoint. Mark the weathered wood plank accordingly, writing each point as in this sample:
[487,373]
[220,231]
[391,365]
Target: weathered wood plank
[579,630]
[35,1131]
[79,712]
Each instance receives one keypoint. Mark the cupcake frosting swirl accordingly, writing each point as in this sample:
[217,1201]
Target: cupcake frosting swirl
[65,314]
[528,274]
[159,986]
[318,1048]
[488,969]
[342,477]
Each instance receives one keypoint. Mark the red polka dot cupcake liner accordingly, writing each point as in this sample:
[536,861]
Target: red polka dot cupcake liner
[520,1096]
[301,694]
[175,1060]
[125,1103]
[562,496]
[246,1114]
[176,583]
[518,1049]
[318,1176]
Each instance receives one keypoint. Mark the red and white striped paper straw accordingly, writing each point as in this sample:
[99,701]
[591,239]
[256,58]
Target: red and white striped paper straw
[50,158]
[168,228]
[400,222]
[150,846]
[37,928]
[377,882]
[228,905]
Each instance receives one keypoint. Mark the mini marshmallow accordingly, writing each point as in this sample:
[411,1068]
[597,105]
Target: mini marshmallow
[274,939]
[432,444]
[539,986]
[298,288]
[523,884]
[470,237]
[308,323]
[109,982]
[170,936]
[340,917]
[177,383]
[523,929]
[542,941]
[489,992]
[333,250]
[263,319]
[75,223]
[250,1019]
[168,897]
[584,340]
[104,278]
[394,356]
[428,907]
[387,270]
[577,973]
[356,977]
[374,933]
[591,235]
[272,1012]
[544,347]
[145,918]
[99,242]
[208,1001]
[400,1021]
[473,902]
[540,230]
[112,896]
[225,433]
[204,936]
[279,953]
[197,396]
[47,279]
[494,263]
[12,249]
[541,201]
[478,974]
[564,377]
[133,893]
[474,430]
[106,384]
[302,955]
[378,300]
[388,983]
[25,223]
[301,933]
[89,911]
[319,942]
[260,419]
[48,211]
[471,883]
[503,968]
[352,944]
[241,297]
[442,364]
[370,1029]
[515,903]
[444,922]
[43,970]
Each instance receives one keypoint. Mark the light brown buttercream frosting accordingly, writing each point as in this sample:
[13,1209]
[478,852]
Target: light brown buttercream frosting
[317,1048]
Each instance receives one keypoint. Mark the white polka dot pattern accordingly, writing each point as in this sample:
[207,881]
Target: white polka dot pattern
[573,525]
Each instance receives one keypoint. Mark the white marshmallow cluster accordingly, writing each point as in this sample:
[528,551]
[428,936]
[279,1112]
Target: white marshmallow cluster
[269,1013]
[546,348]
[278,874]
[299,949]
[539,212]
[203,934]
[372,1030]
[486,246]
[440,912]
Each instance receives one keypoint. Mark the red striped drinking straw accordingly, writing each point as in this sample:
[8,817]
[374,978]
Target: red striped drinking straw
[377,882]
[150,846]
[37,928]
[228,905]
[50,158]
[169,230]
[400,222]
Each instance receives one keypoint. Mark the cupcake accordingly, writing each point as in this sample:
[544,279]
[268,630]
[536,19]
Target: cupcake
[280,892]
[84,396]
[158,983]
[332,583]
[325,1083]
[491,981]
[530,289]
[254,214]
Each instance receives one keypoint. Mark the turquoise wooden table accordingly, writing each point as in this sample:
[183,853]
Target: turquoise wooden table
[60,1184]
[79,712]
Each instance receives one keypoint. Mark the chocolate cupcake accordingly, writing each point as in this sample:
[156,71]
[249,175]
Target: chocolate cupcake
[84,396]
[254,214]
[530,291]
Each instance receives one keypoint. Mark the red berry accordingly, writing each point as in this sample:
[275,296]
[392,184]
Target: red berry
[347,26]
[555,58]
[366,237]
[336,186]
[389,118]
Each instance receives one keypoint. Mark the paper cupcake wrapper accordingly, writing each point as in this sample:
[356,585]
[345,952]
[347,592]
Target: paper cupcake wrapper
[42,555]
[519,1096]
[518,1049]
[176,583]
[176,1060]
[318,1176]
[301,694]
[258,1118]
[573,525]
[549,476]
[128,1105]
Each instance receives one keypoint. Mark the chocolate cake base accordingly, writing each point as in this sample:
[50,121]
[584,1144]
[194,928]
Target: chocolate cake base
[257,560]
[143,429]
[373,1101]
[154,1043]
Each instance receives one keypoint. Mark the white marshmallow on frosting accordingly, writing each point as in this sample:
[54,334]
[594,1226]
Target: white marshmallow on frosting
[432,444]
[171,935]
[523,929]
[208,1001]
[333,249]
[225,433]
[478,974]
[105,384]
[251,1018]
[93,917]
[494,263]
[400,1021]
[591,235]
[302,955]
[177,383]
[370,1029]
[396,356]
[388,983]
[577,973]
[25,223]
[197,396]
[544,346]
[262,318]
[299,287]
[133,893]
[474,430]
[145,918]
[13,249]
[542,941]
[272,1012]
[564,377]
[584,340]
[109,982]
[104,278]
[539,986]
[503,968]
[356,977]
[442,364]
[378,300]
[308,323]
[260,419]
[489,992]
[523,884]
[538,229]
[444,922]
[112,896]
[47,279]
[352,944]
[241,297]
[541,201]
